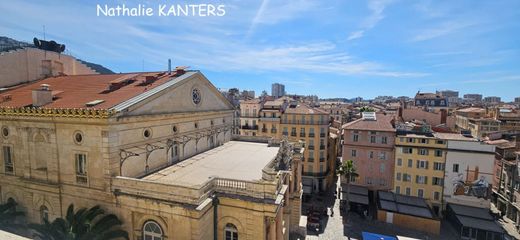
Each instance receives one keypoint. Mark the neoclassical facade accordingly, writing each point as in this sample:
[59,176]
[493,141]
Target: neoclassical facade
[143,146]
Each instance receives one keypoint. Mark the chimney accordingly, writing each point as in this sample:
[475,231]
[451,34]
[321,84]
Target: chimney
[169,66]
[41,96]
[444,116]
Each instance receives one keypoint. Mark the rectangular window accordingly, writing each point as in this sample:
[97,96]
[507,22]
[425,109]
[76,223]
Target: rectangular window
[407,177]
[382,168]
[440,142]
[321,168]
[382,155]
[425,141]
[455,168]
[408,191]
[423,151]
[81,168]
[398,176]
[384,140]
[368,180]
[371,154]
[399,162]
[422,164]
[421,179]
[355,138]
[436,196]
[407,150]
[8,160]
[410,162]
[372,139]
[311,156]
[411,140]
[438,153]
[354,153]
[437,181]
[420,193]
[438,166]
[398,189]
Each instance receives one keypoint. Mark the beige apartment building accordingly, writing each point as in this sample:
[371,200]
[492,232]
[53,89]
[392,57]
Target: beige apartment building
[249,113]
[155,149]
[301,122]
[476,121]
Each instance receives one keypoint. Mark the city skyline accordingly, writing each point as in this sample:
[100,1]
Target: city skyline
[371,48]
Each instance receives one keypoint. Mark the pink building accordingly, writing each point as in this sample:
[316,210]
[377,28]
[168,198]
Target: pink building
[369,143]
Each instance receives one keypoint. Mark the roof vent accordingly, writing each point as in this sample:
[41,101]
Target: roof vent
[94,103]
[121,82]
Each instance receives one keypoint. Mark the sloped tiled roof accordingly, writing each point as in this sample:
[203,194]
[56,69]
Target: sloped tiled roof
[76,91]
[382,123]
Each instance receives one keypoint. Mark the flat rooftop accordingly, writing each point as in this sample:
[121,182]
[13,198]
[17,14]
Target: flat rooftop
[234,160]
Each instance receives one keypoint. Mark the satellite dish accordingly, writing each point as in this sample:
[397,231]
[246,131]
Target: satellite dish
[37,42]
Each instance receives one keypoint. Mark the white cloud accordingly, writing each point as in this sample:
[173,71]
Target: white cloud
[441,30]
[377,8]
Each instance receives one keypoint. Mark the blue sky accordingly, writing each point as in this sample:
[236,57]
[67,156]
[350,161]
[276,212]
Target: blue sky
[334,48]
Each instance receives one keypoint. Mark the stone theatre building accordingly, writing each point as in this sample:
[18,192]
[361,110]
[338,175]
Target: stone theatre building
[156,149]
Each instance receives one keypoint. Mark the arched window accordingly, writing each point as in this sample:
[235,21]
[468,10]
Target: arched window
[44,214]
[231,232]
[152,231]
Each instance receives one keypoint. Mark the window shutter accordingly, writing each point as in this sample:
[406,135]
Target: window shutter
[427,165]
[425,180]
[416,178]
[418,163]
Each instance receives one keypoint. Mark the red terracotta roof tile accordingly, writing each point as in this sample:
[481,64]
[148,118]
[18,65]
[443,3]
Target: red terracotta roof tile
[75,91]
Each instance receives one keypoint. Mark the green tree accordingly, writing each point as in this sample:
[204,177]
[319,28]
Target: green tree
[82,225]
[366,109]
[9,216]
[347,170]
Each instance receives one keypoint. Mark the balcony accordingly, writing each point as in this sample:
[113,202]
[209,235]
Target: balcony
[270,119]
[322,134]
[81,178]
[310,147]
[299,122]
[293,134]
[311,159]
[311,134]
[249,116]
[247,127]
[302,134]
[322,159]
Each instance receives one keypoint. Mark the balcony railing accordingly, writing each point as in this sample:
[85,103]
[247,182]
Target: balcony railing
[310,147]
[249,115]
[247,127]
[293,134]
[311,159]
[299,122]
[81,178]
[322,134]
[302,134]
[322,159]
[311,134]
[9,169]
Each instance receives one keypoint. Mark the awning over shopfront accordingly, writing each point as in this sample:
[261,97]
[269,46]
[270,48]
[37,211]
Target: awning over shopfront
[357,194]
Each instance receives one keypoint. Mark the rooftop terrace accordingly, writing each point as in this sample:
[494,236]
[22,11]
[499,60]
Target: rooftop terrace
[234,160]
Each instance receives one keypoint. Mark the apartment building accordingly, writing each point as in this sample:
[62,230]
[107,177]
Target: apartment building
[301,122]
[249,113]
[476,121]
[369,143]
[420,160]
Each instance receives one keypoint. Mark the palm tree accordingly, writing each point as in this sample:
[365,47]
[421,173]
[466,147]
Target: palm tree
[81,225]
[347,170]
[8,215]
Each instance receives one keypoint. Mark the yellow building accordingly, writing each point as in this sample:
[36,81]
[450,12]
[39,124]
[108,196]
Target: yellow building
[310,125]
[155,149]
[419,167]
[269,118]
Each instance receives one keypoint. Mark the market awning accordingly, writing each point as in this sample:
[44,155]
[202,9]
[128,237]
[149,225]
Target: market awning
[374,236]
